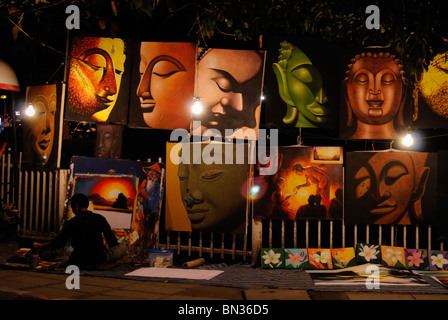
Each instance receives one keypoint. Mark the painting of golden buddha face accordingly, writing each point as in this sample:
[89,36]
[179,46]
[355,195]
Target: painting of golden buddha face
[375,96]
[431,109]
[96,69]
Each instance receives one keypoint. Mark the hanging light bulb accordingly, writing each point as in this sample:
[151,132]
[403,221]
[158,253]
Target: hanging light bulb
[197,106]
[30,110]
[408,140]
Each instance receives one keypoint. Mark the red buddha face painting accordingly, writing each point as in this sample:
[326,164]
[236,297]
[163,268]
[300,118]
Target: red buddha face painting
[96,69]
[375,96]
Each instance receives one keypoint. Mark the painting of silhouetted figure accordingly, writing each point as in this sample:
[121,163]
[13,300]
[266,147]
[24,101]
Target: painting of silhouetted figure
[302,188]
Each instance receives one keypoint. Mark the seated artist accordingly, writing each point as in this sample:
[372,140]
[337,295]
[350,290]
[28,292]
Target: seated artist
[86,231]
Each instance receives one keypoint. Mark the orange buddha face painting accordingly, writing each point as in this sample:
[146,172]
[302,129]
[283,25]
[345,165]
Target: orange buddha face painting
[166,85]
[375,96]
[96,69]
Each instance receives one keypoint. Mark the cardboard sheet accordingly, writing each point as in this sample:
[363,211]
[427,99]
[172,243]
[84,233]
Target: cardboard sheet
[175,273]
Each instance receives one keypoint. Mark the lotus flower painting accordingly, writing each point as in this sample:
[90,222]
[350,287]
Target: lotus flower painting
[320,259]
[343,257]
[296,258]
[416,259]
[438,260]
[393,257]
[272,258]
[368,253]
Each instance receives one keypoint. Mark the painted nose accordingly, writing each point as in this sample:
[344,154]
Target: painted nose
[234,101]
[193,198]
[144,88]
[321,96]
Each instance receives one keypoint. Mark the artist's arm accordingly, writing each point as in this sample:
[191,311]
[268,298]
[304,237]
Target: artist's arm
[58,242]
[107,232]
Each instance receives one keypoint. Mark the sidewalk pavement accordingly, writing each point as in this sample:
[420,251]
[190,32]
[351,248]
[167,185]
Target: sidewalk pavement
[29,285]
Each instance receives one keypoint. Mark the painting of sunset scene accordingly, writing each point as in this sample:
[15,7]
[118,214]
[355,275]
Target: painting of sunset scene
[111,196]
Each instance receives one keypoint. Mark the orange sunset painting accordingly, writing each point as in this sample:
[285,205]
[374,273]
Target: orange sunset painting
[111,196]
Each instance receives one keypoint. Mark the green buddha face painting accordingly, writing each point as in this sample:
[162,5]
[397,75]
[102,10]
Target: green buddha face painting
[300,86]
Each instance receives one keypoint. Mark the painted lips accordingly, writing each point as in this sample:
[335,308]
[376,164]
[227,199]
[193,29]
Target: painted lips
[44,144]
[147,105]
[196,215]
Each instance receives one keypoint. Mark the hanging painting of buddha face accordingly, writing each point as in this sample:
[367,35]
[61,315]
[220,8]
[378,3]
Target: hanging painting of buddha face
[431,109]
[375,95]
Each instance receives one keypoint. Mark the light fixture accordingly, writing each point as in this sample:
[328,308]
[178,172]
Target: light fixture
[30,110]
[254,190]
[408,140]
[8,78]
[197,106]
[262,97]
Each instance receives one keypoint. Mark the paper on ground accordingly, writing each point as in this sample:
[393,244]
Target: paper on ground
[175,273]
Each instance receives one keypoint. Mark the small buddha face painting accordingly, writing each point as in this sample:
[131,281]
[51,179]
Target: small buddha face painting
[96,69]
[301,87]
[166,84]
[108,141]
[229,85]
[374,90]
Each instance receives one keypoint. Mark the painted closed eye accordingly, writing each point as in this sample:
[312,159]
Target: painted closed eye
[395,173]
[165,69]
[362,182]
[211,175]
[224,84]
[387,78]
[302,74]
[95,61]
[362,78]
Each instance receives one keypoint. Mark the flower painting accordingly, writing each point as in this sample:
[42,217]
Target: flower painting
[416,259]
[393,256]
[320,259]
[272,258]
[438,260]
[368,253]
[296,258]
[343,257]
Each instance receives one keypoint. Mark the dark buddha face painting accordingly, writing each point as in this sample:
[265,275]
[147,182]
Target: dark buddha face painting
[203,195]
[390,187]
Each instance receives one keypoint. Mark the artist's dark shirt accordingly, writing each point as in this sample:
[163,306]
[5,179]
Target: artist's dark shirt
[86,231]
